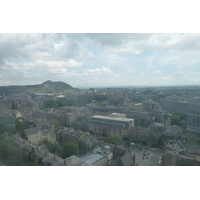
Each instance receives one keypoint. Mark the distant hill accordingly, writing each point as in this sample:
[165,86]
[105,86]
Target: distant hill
[46,87]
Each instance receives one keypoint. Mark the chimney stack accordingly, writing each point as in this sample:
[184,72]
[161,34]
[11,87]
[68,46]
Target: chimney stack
[46,152]
[55,156]
[39,147]
[65,161]
[24,140]
[30,143]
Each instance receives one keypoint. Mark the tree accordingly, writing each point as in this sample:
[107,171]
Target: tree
[69,149]
[181,114]
[20,129]
[115,138]
[49,104]
[56,123]
[4,128]
[61,102]
[10,153]
[175,120]
[52,147]
[191,138]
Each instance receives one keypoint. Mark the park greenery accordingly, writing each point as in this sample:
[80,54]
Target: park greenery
[81,100]
[191,138]
[114,138]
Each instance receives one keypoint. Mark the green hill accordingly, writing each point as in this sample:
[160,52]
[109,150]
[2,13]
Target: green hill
[46,87]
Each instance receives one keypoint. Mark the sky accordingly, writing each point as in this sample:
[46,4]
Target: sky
[98,59]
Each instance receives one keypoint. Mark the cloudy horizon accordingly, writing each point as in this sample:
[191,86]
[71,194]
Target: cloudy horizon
[90,60]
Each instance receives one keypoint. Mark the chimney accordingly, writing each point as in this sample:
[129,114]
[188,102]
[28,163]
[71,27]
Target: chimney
[55,156]
[29,143]
[46,152]
[39,147]
[24,140]
[65,161]
[126,150]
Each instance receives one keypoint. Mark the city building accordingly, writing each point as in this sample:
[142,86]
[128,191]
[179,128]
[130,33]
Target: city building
[93,159]
[193,120]
[35,135]
[114,123]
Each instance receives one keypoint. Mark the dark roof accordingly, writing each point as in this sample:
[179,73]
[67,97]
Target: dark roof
[52,161]
[153,133]
[26,146]
[159,124]
[127,160]
[116,162]
[32,131]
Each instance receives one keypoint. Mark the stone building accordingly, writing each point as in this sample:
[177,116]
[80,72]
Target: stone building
[114,123]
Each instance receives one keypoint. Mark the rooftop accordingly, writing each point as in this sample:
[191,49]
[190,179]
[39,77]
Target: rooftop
[92,158]
[111,118]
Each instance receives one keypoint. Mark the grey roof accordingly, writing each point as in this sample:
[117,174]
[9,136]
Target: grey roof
[192,146]
[175,128]
[107,147]
[112,118]
[43,147]
[92,158]
[175,134]
[153,133]
[158,124]
[32,131]
[127,160]
[74,161]
[26,146]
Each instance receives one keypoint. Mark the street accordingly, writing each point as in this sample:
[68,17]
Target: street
[146,157]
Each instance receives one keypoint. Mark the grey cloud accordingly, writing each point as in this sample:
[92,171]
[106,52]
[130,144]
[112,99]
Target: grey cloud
[115,39]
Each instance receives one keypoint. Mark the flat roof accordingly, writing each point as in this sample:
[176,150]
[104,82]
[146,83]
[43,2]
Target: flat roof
[112,118]
[92,158]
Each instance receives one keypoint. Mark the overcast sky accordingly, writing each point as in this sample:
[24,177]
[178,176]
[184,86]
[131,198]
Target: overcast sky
[100,59]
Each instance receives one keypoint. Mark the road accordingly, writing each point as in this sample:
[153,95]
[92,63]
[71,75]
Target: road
[151,158]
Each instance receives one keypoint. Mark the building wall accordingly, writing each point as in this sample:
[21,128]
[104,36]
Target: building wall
[193,120]
[39,136]
[109,126]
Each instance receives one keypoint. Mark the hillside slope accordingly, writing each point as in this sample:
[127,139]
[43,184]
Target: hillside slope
[46,87]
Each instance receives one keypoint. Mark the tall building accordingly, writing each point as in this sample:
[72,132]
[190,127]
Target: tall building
[114,123]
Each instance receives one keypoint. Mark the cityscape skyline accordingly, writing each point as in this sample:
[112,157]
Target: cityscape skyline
[100,60]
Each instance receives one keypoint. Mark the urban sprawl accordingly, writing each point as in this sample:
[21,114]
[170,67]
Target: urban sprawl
[130,126]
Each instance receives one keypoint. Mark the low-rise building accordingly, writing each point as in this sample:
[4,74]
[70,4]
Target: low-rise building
[93,159]
[36,135]
[173,132]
